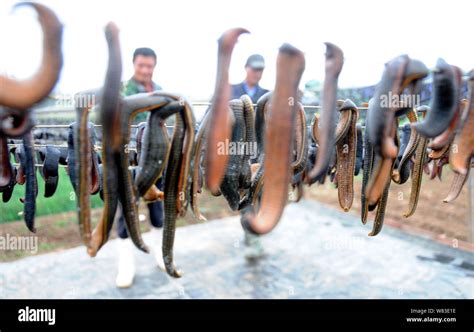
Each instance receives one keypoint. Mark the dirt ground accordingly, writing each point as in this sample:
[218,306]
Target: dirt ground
[60,231]
[449,219]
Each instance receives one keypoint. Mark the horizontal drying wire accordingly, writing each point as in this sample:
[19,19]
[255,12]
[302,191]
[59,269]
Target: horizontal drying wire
[65,166]
[97,147]
[62,146]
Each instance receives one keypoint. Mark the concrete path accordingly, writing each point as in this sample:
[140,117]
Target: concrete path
[315,252]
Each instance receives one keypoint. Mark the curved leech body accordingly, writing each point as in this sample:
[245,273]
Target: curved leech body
[139,138]
[446,86]
[346,158]
[278,132]
[299,153]
[366,173]
[401,174]
[400,73]
[23,94]
[83,166]
[49,156]
[180,153]
[7,191]
[8,172]
[360,150]
[382,204]
[116,114]
[333,67]
[16,97]
[176,174]
[457,184]
[463,144]
[110,118]
[238,173]
[438,154]
[249,201]
[230,184]
[382,171]
[130,106]
[6,168]
[250,142]
[13,124]
[94,160]
[171,195]
[187,115]
[300,142]
[377,112]
[219,129]
[438,164]
[446,137]
[367,169]
[154,146]
[380,214]
[263,104]
[417,173]
[404,133]
[343,125]
[71,156]
[31,186]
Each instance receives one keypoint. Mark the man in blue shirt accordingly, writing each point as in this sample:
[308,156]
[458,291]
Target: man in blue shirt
[254,70]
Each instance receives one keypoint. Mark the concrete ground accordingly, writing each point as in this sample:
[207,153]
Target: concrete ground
[315,252]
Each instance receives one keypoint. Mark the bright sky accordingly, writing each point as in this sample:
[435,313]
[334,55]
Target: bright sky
[184,34]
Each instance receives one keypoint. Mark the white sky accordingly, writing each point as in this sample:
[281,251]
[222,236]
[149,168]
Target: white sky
[184,34]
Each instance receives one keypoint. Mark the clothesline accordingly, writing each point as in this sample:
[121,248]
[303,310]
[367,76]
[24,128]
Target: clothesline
[61,146]
[65,166]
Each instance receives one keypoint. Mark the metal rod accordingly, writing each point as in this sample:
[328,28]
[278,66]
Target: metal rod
[361,108]
[67,126]
[205,103]
[64,166]
[202,103]
[38,145]
[96,147]
[194,103]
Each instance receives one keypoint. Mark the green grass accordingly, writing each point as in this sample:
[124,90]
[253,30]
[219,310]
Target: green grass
[64,199]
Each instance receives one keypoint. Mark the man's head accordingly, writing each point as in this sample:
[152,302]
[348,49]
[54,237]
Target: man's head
[254,68]
[144,62]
